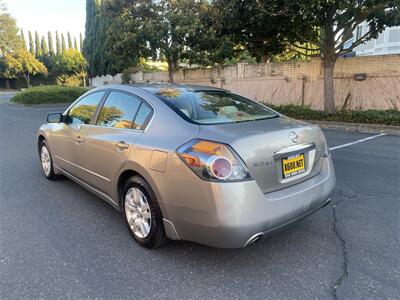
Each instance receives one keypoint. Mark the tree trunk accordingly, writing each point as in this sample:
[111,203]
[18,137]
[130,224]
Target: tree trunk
[170,70]
[83,76]
[28,80]
[328,61]
[7,82]
[329,88]
[265,58]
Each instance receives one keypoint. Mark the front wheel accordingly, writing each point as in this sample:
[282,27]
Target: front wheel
[142,213]
[46,161]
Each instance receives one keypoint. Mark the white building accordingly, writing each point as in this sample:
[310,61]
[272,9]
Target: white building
[388,42]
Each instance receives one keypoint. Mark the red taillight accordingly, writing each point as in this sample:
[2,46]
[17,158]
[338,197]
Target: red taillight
[213,161]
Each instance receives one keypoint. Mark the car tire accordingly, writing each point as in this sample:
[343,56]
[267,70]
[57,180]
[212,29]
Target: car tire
[142,213]
[46,161]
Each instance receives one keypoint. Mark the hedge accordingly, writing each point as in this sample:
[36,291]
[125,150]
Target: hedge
[49,94]
[384,117]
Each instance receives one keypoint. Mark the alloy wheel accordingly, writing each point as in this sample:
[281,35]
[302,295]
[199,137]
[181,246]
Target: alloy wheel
[46,160]
[138,213]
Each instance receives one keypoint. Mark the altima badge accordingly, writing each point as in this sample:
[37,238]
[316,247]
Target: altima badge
[294,137]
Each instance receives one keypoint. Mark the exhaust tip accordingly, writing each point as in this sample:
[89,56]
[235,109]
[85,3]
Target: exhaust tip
[327,202]
[254,238]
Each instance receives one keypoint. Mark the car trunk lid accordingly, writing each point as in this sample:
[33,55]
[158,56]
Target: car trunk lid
[264,144]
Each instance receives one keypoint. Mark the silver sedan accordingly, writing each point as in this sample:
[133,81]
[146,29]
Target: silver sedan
[188,162]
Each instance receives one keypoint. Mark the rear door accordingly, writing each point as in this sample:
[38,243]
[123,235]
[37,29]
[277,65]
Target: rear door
[68,140]
[108,142]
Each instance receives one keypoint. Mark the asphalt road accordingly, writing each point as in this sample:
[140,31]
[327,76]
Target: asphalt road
[60,241]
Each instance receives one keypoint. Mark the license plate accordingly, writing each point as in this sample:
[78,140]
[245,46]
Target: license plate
[293,165]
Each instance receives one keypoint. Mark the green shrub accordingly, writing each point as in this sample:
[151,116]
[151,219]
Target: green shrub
[126,75]
[384,117]
[49,94]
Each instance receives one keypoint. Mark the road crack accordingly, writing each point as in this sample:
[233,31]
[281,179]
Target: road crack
[342,196]
[342,242]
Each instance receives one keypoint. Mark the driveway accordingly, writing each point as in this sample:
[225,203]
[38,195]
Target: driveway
[5,96]
[58,240]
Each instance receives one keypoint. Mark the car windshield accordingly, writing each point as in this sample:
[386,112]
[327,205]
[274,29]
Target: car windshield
[213,107]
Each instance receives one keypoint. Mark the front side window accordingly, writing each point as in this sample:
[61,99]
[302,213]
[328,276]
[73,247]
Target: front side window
[82,112]
[213,107]
[119,110]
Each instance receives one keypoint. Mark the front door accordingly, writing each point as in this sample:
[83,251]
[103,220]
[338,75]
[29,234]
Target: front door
[109,142]
[69,138]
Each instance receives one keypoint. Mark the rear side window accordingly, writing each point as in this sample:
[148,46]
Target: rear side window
[119,110]
[82,112]
[213,107]
[142,117]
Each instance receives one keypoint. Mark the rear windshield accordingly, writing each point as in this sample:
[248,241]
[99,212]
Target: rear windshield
[213,107]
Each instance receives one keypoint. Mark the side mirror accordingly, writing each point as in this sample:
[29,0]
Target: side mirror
[54,118]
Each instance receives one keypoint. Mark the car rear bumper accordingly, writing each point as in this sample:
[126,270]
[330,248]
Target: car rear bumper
[240,212]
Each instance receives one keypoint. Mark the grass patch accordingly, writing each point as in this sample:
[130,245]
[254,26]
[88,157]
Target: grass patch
[383,117]
[49,94]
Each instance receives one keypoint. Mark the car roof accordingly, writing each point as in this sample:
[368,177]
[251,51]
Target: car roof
[155,87]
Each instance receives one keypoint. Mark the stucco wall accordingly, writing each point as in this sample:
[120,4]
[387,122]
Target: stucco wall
[297,82]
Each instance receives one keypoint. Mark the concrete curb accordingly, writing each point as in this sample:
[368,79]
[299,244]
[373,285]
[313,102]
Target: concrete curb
[357,127]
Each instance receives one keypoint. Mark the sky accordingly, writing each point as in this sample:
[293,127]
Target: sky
[49,15]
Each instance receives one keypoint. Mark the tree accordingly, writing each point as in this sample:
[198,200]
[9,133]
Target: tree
[80,42]
[9,38]
[89,35]
[23,40]
[50,42]
[206,43]
[327,25]
[31,43]
[75,44]
[58,44]
[22,62]
[10,42]
[69,63]
[63,45]
[43,45]
[169,30]
[46,58]
[170,27]
[244,23]
[9,67]
[94,38]
[101,47]
[3,7]
[38,48]
[190,30]
[69,40]
[102,58]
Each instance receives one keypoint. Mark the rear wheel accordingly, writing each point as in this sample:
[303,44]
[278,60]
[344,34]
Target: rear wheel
[142,213]
[46,161]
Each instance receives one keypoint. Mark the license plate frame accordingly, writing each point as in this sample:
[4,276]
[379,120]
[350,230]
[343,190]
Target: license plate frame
[293,165]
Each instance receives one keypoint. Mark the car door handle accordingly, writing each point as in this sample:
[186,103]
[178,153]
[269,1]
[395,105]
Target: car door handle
[121,145]
[79,139]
